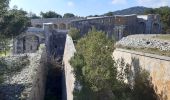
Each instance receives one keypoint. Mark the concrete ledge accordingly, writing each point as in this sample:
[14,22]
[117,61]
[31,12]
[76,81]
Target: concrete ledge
[144,54]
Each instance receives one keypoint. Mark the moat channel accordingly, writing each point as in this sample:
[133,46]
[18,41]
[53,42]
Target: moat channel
[55,84]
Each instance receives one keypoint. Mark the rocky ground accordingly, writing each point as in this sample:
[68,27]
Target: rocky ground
[145,41]
[17,84]
[155,43]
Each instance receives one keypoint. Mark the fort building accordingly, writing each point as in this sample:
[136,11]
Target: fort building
[117,26]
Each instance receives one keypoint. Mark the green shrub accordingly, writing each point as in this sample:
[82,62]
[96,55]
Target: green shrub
[75,34]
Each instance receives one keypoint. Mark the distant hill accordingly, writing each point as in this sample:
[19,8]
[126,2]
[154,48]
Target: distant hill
[132,10]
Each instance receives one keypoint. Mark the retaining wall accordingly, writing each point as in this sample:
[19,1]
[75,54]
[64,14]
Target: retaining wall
[69,76]
[158,67]
[39,80]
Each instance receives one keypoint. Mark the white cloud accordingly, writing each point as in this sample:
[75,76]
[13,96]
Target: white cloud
[70,4]
[119,2]
[153,3]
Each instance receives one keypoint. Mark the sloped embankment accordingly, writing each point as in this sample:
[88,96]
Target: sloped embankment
[24,76]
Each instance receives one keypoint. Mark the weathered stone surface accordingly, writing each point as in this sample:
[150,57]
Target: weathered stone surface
[145,41]
[69,76]
[121,25]
[158,67]
[115,27]
[22,84]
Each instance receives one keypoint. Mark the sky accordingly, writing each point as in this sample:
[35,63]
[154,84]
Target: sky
[84,7]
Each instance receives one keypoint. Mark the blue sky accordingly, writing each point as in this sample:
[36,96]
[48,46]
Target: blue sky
[84,7]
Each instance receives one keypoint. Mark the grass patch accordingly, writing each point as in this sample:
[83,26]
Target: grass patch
[3,53]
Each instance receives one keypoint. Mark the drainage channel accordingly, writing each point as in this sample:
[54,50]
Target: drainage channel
[54,87]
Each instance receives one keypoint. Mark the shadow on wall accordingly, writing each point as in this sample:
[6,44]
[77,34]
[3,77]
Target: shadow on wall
[57,45]
[141,82]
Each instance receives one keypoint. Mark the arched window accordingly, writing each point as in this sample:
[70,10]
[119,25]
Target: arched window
[62,26]
[69,26]
[38,26]
[55,26]
[155,28]
[31,43]
[142,27]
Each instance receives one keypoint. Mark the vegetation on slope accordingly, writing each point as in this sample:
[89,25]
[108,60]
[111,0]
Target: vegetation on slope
[75,34]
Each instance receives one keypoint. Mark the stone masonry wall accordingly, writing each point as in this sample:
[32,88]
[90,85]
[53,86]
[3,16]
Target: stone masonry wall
[39,80]
[158,67]
[69,76]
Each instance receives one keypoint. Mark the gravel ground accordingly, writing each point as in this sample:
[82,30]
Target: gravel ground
[144,41]
[19,85]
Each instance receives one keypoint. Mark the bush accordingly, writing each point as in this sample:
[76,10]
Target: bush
[75,34]
[93,66]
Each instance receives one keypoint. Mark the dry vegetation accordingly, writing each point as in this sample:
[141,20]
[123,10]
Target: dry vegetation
[163,37]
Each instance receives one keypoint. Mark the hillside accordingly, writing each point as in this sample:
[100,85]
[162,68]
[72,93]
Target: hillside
[132,10]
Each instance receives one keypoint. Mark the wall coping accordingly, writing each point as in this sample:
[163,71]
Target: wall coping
[144,54]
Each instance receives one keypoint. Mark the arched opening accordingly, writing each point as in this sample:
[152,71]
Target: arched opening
[155,28]
[38,26]
[142,27]
[31,43]
[62,26]
[55,26]
[69,26]
[24,44]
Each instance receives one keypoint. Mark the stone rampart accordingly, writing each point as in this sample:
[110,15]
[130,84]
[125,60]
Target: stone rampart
[39,79]
[69,76]
[157,66]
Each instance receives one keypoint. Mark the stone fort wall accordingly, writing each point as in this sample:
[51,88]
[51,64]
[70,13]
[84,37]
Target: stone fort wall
[116,27]
[69,76]
[121,25]
[39,79]
[158,67]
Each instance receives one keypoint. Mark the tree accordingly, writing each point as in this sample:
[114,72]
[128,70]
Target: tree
[75,34]
[93,16]
[4,45]
[3,7]
[50,14]
[14,22]
[93,65]
[109,14]
[68,15]
[97,76]
[33,15]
